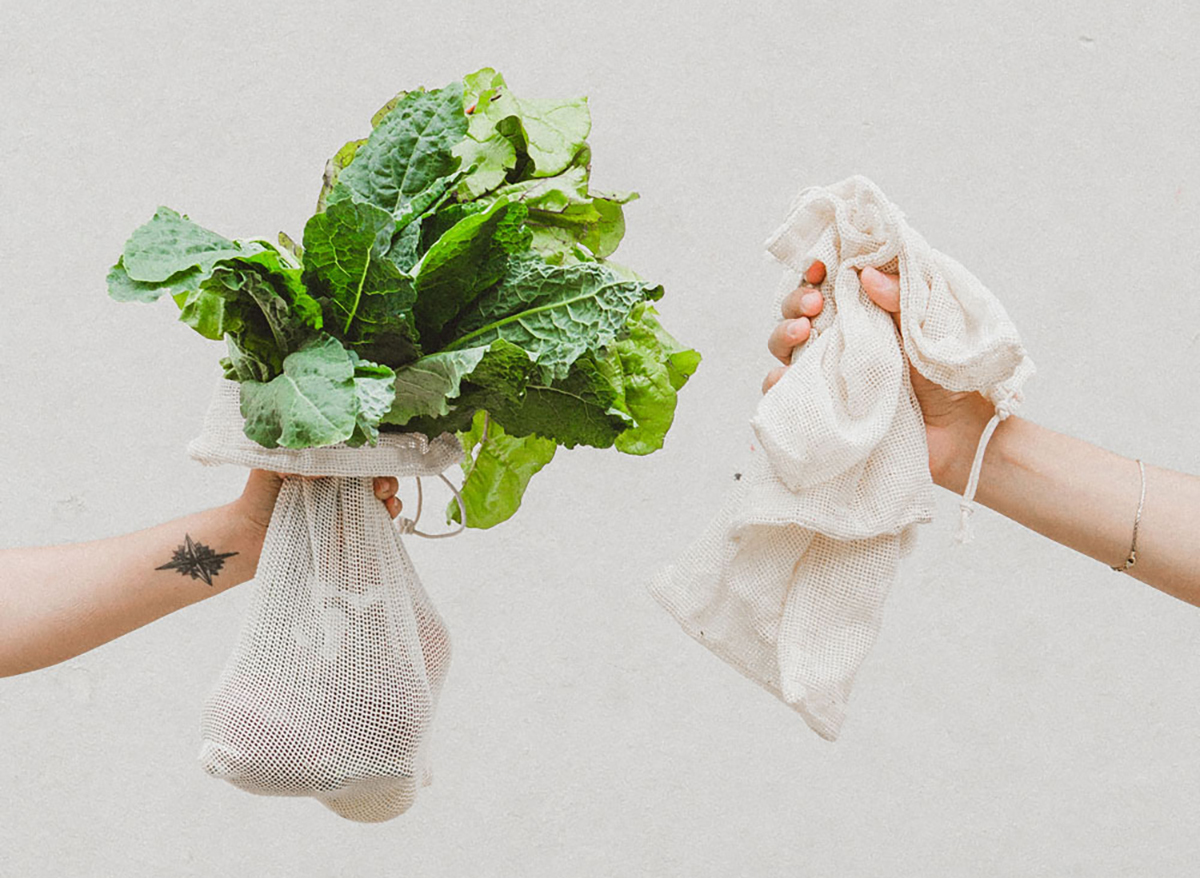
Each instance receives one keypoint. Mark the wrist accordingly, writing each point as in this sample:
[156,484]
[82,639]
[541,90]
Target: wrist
[952,446]
[256,504]
[247,521]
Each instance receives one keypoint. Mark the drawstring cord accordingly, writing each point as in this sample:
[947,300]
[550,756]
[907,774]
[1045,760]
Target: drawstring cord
[967,504]
[409,525]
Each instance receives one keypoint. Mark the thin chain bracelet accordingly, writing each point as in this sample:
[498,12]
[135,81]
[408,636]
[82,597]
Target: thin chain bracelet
[1132,559]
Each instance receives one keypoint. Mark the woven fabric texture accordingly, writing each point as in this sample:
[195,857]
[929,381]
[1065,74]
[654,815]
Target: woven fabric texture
[788,582]
[332,686]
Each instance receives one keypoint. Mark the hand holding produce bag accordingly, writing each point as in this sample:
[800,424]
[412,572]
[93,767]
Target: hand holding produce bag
[788,582]
[451,299]
[332,687]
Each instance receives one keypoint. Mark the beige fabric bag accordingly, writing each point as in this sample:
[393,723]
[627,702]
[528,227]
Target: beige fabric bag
[331,689]
[787,584]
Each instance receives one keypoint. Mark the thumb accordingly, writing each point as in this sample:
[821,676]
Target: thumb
[883,290]
[265,483]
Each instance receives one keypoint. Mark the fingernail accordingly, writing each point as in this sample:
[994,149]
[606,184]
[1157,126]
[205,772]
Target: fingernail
[810,301]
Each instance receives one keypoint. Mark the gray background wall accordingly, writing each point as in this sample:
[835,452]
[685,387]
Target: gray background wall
[1026,711]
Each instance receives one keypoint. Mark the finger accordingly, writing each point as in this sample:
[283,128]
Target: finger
[884,289]
[772,377]
[786,336]
[393,506]
[386,486]
[815,273]
[802,302]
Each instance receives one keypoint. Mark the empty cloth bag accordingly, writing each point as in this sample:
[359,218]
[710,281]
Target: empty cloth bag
[788,582]
[332,686]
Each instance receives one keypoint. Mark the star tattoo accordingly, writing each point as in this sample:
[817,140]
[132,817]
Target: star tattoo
[196,560]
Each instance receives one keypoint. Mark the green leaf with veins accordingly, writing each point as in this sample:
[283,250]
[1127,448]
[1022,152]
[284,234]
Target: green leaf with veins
[243,365]
[428,200]
[343,259]
[167,254]
[552,132]
[344,156]
[575,410]
[424,389]
[682,362]
[384,330]
[210,314]
[496,469]
[648,367]
[487,152]
[312,403]
[480,85]
[415,239]
[281,267]
[599,226]
[563,212]
[470,257]
[373,392]
[382,112]
[491,161]
[123,288]
[262,310]
[333,169]
[286,244]
[169,244]
[555,312]
[407,153]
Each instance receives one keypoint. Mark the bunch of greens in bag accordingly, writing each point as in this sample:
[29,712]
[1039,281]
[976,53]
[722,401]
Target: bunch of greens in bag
[454,278]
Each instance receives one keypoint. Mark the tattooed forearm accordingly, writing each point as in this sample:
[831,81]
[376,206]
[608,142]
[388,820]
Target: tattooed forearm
[196,560]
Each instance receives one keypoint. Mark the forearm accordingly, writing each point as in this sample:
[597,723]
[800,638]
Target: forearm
[1086,498]
[59,601]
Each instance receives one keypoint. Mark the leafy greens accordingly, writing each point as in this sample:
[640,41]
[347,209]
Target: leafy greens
[453,278]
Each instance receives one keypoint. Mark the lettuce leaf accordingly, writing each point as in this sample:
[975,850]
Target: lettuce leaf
[471,256]
[316,400]
[555,312]
[167,254]
[344,261]
[171,243]
[563,211]
[549,132]
[342,158]
[384,329]
[408,153]
[426,388]
[646,368]
[496,469]
[123,288]
[374,392]
[575,410]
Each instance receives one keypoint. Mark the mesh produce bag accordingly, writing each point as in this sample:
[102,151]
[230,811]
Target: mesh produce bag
[787,583]
[331,689]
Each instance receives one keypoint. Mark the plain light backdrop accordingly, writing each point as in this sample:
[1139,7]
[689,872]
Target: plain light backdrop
[1026,711]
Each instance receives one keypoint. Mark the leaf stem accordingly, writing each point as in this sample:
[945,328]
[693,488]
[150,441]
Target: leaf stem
[357,294]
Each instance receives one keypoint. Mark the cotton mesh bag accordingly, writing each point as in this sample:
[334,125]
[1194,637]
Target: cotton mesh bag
[787,583]
[332,686]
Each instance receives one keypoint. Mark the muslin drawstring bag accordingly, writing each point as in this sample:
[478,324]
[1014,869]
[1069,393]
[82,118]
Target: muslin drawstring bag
[788,582]
[331,689]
